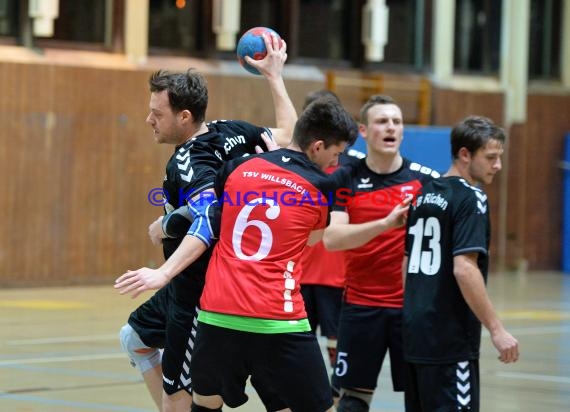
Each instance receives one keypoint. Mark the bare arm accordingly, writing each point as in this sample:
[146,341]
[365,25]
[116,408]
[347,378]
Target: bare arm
[198,239]
[272,67]
[343,235]
[140,280]
[470,281]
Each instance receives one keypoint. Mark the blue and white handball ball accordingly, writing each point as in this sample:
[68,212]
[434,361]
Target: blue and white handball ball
[251,44]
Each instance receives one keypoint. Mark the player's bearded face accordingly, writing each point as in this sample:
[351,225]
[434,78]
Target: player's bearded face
[162,119]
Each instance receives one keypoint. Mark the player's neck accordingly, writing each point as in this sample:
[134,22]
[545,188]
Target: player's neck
[196,131]
[295,147]
[458,171]
[384,164]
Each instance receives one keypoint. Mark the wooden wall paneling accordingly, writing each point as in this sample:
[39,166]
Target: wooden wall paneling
[517,185]
[548,122]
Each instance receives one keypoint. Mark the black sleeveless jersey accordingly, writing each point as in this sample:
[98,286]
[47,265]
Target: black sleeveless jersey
[449,218]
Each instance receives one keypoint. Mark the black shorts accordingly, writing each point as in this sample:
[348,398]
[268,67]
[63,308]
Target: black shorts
[365,335]
[443,388]
[287,369]
[322,304]
[161,322]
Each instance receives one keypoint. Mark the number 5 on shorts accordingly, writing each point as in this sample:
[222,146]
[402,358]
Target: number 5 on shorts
[341,364]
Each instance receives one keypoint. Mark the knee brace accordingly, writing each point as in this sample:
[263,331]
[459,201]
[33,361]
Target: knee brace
[141,356]
[198,408]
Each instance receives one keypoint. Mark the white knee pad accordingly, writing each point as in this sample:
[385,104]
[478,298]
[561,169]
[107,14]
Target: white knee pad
[141,356]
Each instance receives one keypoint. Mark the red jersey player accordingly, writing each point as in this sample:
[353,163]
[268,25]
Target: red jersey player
[371,314]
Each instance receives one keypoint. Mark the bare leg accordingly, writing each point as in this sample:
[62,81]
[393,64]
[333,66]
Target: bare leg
[212,402]
[180,401]
[153,380]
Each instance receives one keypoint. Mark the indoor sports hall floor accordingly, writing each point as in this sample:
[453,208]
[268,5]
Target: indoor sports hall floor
[59,351]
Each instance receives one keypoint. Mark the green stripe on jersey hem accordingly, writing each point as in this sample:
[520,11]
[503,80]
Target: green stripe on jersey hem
[255,325]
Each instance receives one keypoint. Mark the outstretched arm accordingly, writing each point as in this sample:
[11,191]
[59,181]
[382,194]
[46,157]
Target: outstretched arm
[204,210]
[271,66]
[342,235]
[137,281]
[472,286]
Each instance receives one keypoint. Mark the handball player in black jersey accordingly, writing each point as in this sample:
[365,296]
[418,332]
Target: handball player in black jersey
[167,320]
[447,255]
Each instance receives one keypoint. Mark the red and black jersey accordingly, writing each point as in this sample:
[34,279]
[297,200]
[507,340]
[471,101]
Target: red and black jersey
[270,204]
[374,270]
[450,218]
[322,266]
[192,169]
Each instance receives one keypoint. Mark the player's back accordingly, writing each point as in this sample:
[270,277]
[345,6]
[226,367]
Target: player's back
[270,205]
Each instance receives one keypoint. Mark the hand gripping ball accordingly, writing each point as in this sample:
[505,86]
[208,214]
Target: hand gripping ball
[251,44]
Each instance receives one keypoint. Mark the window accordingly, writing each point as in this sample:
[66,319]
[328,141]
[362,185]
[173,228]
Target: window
[256,13]
[9,18]
[544,39]
[409,33]
[80,21]
[176,25]
[83,22]
[323,29]
[477,36]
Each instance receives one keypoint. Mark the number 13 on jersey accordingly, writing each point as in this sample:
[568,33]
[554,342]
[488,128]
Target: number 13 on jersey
[426,261]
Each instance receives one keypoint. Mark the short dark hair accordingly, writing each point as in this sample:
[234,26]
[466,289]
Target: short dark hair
[373,101]
[325,119]
[474,132]
[186,91]
[317,94]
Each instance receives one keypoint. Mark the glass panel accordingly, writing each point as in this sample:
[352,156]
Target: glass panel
[324,29]
[477,36]
[9,18]
[174,24]
[82,21]
[256,13]
[401,27]
[544,41]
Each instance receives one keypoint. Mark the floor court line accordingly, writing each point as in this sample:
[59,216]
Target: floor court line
[68,339]
[23,391]
[70,404]
[27,361]
[534,377]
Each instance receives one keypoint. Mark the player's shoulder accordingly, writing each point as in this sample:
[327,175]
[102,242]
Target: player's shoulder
[420,171]
[470,194]
[237,138]
[352,156]
[230,127]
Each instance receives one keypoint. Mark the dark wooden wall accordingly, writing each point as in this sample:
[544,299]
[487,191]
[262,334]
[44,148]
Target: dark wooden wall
[77,162]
